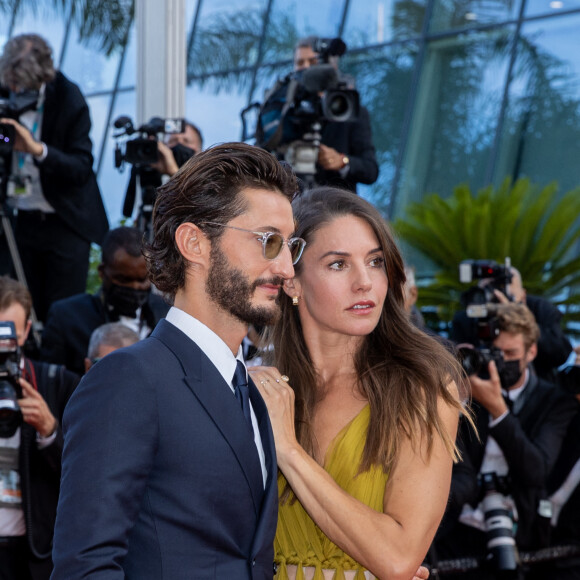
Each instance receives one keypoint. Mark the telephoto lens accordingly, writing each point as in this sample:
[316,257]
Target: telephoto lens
[502,552]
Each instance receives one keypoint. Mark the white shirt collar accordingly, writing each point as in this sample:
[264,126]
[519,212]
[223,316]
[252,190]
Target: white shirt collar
[208,341]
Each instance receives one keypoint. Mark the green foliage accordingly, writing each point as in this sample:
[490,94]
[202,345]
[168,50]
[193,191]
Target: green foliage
[93,280]
[533,226]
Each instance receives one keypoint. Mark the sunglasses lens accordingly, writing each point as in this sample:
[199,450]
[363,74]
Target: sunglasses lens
[296,249]
[273,246]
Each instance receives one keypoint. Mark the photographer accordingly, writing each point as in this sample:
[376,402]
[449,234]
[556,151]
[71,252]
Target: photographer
[31,455]
[51,181]
[553,346]
[347,154]
[171,155]
[521,421]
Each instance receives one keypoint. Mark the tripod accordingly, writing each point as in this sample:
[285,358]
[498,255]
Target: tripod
[148,179]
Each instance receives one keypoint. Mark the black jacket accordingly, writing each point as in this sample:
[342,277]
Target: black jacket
[71,321]
[568,528]
[68,181]
[40,468]
[530,439]
[353,139]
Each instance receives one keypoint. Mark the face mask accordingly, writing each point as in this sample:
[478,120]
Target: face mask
[125,301]
[181,153]
[509,373]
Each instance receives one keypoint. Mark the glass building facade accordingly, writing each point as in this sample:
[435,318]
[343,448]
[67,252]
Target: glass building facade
[459,91]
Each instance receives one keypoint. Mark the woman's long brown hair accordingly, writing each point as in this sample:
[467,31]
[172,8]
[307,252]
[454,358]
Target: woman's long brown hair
[401,371]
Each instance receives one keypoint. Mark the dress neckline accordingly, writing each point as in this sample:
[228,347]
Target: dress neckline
[340,435]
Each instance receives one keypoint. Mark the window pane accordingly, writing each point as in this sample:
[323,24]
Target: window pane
[99,108]
[321,18]
[378,21]
[42,20]
[227,36]
[541,137]
[455,114]
[454,14]
[383,79]
[549,7]
[92,70]
[217,115]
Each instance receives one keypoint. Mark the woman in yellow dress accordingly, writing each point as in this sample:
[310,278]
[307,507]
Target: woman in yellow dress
[365,426]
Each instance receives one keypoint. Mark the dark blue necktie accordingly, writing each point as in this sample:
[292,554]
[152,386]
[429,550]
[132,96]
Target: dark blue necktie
[242,391]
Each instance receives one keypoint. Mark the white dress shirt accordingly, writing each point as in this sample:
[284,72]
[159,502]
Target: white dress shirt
[221,356]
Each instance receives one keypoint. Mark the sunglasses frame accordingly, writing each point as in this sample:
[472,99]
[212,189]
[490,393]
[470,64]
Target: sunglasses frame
[263,238]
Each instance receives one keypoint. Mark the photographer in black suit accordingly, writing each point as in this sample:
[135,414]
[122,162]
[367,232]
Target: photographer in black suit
[521,421]
[347,154]
[30,457]
[553,346]
[52,184]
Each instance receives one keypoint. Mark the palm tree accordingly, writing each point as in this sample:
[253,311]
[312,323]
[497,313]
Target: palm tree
[535,227]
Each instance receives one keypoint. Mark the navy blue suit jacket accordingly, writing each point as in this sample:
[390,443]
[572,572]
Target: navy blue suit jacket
[161,477]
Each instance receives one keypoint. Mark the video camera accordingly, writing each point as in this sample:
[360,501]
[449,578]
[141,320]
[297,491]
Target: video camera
[294,111]
[10,389]
[142,150]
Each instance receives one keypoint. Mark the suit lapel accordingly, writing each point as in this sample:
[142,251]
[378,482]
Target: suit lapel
[269,512]
[216,397]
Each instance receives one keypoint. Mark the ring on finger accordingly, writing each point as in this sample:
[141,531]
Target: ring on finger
[285,378]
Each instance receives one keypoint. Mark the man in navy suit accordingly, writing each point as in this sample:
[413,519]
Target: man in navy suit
[169,469]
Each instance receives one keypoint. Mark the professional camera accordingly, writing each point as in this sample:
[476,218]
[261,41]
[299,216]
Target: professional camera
[478,300]
[10,389]
[502,552]
[12,107]
[295,110]
[142,150]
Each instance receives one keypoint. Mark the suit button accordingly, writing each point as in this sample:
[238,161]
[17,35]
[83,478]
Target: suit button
[253,562]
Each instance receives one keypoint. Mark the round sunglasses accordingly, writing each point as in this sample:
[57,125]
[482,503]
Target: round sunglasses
[272,242]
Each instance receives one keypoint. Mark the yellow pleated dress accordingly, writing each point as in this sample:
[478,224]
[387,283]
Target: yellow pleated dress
[299,541]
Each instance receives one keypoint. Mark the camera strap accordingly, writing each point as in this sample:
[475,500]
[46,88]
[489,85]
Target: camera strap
[28,373]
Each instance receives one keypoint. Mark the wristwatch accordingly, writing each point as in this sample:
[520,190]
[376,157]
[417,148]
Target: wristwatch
[345,161]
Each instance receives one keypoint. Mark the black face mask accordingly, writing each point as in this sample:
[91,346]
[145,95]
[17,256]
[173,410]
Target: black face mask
[509,373]
[124,300]
[182,153]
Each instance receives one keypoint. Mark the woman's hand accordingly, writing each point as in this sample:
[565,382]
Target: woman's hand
[279,399]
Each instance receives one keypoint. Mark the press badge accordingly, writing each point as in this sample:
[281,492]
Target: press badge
[19,186]
[10,492]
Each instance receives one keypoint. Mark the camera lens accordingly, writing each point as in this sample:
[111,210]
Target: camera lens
[501,545]
[471,360]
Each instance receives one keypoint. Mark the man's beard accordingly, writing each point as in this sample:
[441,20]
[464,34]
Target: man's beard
[232,291]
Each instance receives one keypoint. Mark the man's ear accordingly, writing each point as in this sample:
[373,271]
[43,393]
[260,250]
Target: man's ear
[292,287]
[532,353]
[191,243]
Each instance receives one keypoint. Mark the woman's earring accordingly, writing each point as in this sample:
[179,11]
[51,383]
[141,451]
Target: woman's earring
[294,300]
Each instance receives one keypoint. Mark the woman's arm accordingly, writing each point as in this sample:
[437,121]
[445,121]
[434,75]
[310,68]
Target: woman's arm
[391,544]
